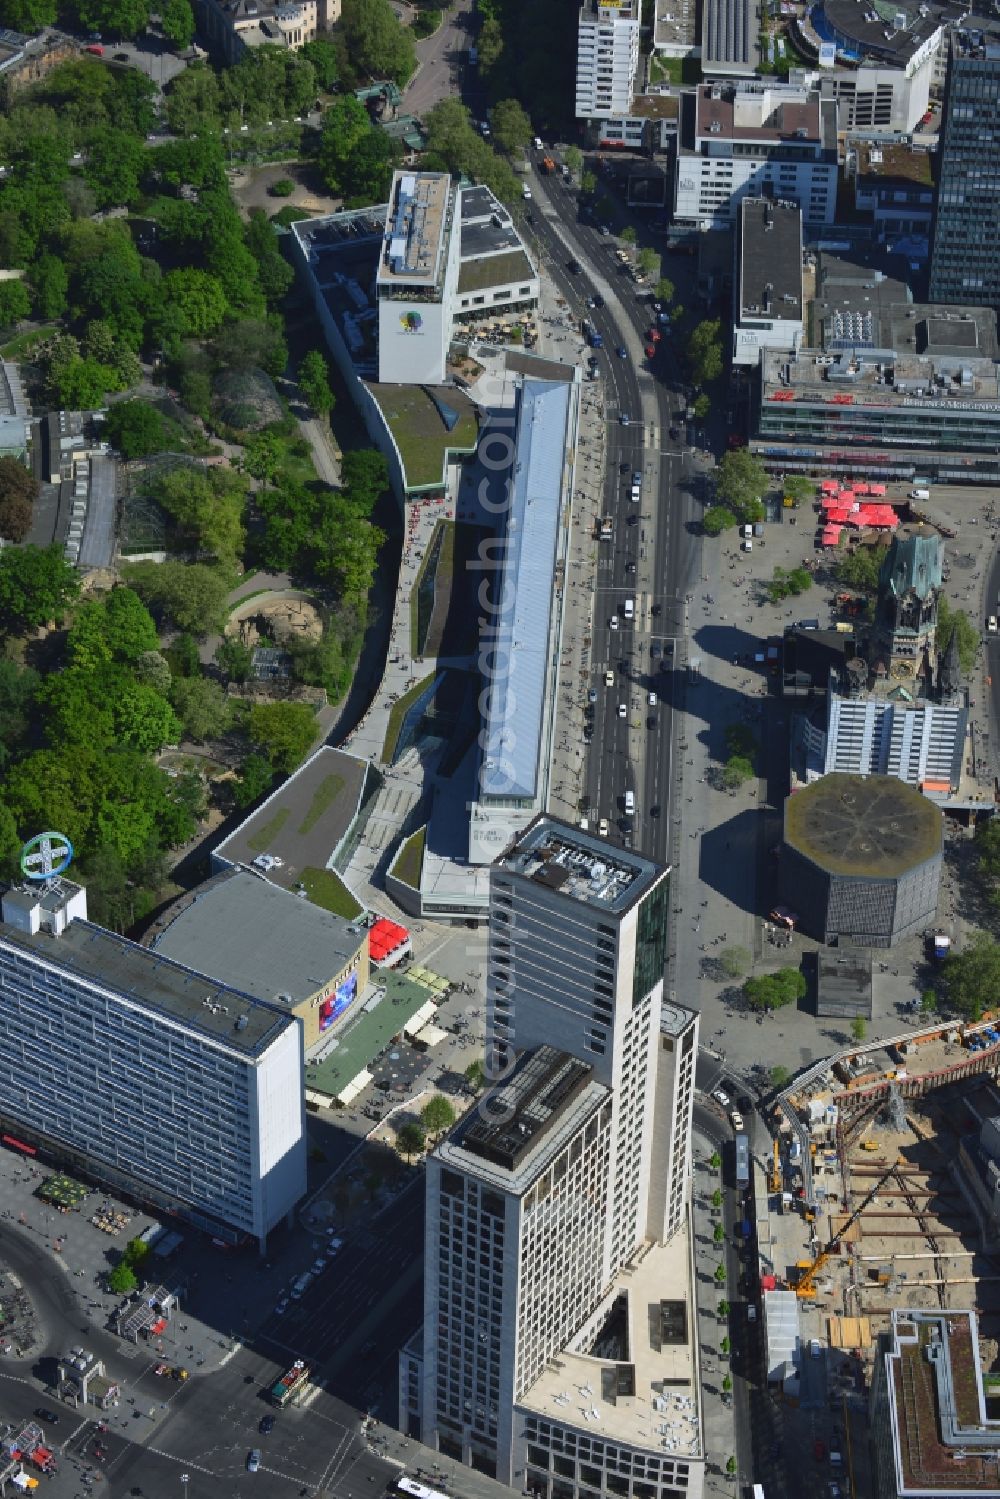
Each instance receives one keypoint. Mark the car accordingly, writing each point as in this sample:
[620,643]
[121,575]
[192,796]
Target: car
[654,810]
[654,335]
[622,351]
[630,567]
[625,419]
[636,476]
[588,734]
[266,1425]
[574,267]
[604,229]
[650,351]
[633,520]
[736,1120]
[613,622]
[746,546]
[991,624]
[282,1307]
[654,649]
[538,143]
[590,302]
[602,827]
[622,710]
[592,695]
[751,1313]
[652,699]
[609,678]
[815,1348]
[318,1267]
[44,1414]
[623,468]
[675,434]
[485,130]
[656,609]
[526,193]
[253,1460]
[721,1096]
[598,300]
[120,57]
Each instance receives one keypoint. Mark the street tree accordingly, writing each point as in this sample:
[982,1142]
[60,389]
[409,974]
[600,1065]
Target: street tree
[177,23]
[718,1233]
[121,1280]
[972,977]
[780,1076]
[859,1028]
[724,1345]
[716,519]
[664,291]
[588,183]
[771,991]
[956,623]
[717,1198]
[377,44]
[702,406]
[510,126]
[648,261]
[859,568]
[720,1275]
[731,1465]
[410,1139]
[722,1309]
[704,351]
[475,1075]
[573,158]
[727,1384]
[437,1115]
[740,484]
[15,302]
[715,1160]
[736,772]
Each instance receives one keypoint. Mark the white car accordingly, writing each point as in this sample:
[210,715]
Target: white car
[609,678]
[736,1120]
[991,624]
[526,193]
[602,827]
[613,622]
[721,1097]
[538,143]
[622,710]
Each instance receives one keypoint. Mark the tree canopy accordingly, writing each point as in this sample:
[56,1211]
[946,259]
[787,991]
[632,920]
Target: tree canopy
[740,484]
[377,44]
[771,991]
[284,732]
[18,492]
[36,584]
[704,351]
[972,978]
[191,596]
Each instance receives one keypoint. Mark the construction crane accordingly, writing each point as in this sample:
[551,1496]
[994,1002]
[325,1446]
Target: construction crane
[808,1270]
[777,1180]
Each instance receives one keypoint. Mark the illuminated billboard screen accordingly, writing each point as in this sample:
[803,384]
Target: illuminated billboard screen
[336,1003]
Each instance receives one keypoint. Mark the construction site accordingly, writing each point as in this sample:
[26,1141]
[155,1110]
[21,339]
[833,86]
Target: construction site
[880,1197]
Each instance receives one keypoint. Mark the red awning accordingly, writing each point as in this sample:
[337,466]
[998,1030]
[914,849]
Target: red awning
[768,1283]
[18,1145]
[831,535]
[385,937]
[828,486]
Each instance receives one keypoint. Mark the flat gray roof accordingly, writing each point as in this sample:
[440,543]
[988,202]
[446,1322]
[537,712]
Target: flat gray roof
[517,694]
[261,938]
[728,36]
[415,228]
[580,865]
[770,259]
[516,1114]
[304,822]
[231,1018]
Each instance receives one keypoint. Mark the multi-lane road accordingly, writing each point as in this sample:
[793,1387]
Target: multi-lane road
[653,554]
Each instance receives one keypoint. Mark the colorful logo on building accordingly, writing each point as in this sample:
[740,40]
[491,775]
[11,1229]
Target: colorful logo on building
[411,322]
[45,856]
[334,1005]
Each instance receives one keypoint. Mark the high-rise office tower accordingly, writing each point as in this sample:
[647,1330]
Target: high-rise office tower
[965,266]
[565,1190]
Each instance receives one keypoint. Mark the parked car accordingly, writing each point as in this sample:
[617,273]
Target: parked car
[253,1460]
[266,1425]
[44,1414]
[721,1097]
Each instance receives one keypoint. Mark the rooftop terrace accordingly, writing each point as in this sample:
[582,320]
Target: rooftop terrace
[415,228]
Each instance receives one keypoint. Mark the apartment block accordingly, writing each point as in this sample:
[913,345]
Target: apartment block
[607,58]
[174,1089]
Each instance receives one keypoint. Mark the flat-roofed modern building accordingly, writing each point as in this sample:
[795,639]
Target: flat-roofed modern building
[756,139]
[931,1431]
[729,38]
[169,1086]
[417,278]
[571,1172]
[264,940]
[768,289]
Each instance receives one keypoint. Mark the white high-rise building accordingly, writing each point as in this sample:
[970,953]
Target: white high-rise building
[570,1175]
[607,58]
[919,741]
[178,1090]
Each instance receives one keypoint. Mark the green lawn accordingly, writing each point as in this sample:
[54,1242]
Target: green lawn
[265,836]
[19,346]
[398,712]
[421,436]
[325,888]
[324,796]
[409,861]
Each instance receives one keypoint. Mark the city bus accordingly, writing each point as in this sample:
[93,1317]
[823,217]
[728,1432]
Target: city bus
[284,1390]
[414,1490]
[742,1160]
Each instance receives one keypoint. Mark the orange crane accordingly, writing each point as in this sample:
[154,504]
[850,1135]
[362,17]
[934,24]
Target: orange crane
[808,1270]
[777,1179]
